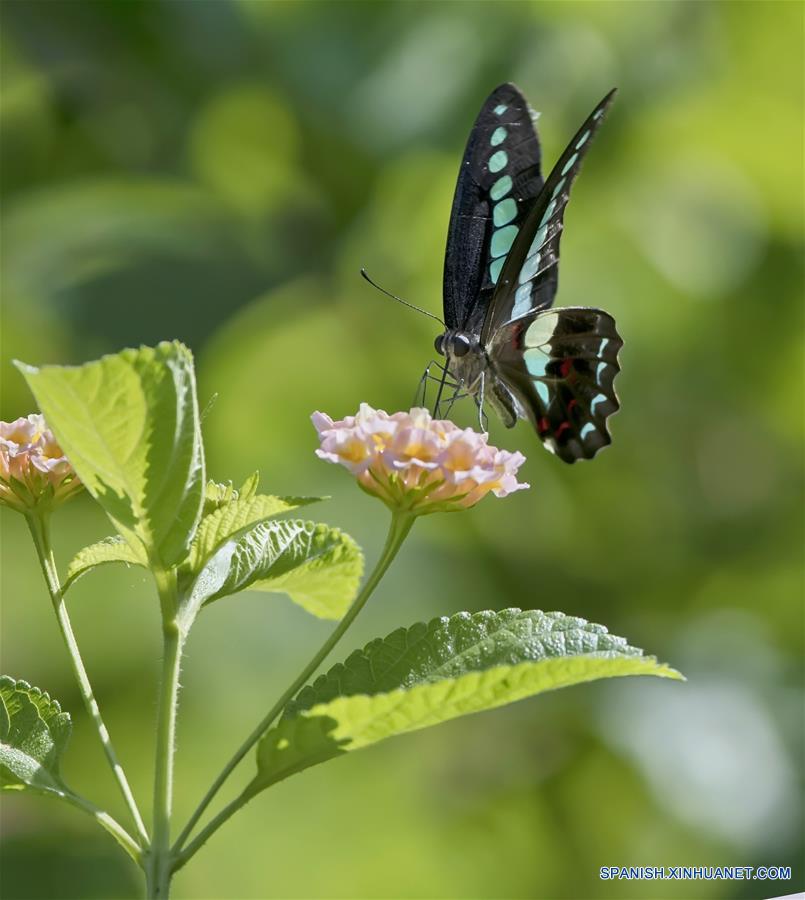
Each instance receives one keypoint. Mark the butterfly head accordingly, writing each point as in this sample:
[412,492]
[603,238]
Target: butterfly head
[465,364]
[454,343]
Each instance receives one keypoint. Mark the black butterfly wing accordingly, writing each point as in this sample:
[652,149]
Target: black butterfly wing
[528,280]
[561,366]
[498,182]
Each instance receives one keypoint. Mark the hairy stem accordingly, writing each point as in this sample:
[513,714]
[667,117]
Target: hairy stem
[39,525]
[398,530]
[159,866]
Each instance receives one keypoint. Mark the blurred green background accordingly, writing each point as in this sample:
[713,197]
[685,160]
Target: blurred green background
[218,172]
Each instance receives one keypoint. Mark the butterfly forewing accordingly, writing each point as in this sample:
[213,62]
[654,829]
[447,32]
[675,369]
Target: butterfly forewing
[497,184]
[528,279]
[561,365]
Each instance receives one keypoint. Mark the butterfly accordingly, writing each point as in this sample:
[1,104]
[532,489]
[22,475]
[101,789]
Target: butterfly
[503,344]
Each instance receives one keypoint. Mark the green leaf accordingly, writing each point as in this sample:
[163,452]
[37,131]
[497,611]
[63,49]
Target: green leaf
[430,673]
[319,567]
[33,734]
[233,516]
[129,424]
[217,495]
[109,550]
[249,487]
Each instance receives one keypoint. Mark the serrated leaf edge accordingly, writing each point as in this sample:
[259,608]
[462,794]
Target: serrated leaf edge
[110,540]
[26,687]
[555,616]
[662,670]
[294,503]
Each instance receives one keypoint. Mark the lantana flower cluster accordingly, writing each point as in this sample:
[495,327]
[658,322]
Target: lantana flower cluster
[416,463]
[34,472]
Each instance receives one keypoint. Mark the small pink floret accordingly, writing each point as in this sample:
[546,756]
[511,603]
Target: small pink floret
[413,461]
[33,467]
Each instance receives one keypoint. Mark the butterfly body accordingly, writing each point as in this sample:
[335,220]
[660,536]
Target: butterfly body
[470,366]
[503,343]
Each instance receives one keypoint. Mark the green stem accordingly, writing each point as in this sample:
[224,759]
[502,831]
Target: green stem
[158,869]
[39,525]
[401,523]
[106,821]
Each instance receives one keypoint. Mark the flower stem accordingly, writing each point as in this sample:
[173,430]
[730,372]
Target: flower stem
[39,525]
[159,865]
[401,523]
[106,821]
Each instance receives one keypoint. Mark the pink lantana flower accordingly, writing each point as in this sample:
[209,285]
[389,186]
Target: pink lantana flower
[34,472]
[416,463]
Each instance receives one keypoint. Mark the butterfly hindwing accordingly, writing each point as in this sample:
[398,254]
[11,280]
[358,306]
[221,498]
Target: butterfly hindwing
[528,280]
[497,184]
[561,365]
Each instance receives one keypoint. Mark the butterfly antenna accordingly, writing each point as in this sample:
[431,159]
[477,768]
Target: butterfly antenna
[399,299]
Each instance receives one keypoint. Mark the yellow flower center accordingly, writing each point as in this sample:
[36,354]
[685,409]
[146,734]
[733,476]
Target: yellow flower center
[354,451]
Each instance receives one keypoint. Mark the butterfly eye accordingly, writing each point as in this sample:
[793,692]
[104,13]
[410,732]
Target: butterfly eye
[461,344]
[439,345]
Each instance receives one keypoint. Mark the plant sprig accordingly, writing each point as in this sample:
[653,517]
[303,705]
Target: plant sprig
[127,428]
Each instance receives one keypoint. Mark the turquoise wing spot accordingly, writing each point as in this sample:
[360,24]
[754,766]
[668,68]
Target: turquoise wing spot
[570,163]
[522,301]
[535,362]
[501,187]
[597,401]
[586,430]
[598,114]
[500,109]
[599,370]
[604,345]
[548,212]
[530,268]
[494,269]
[558,188]
[502,240]
[539,240]
[498,136]
[583,140]
[498,160]
[504,212]
[542,390]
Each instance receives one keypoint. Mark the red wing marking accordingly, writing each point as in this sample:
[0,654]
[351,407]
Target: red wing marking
[563,427]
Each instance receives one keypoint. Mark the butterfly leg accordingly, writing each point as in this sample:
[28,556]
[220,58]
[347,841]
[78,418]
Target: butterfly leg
[420,397]
[445,381]
[483,419]
[475,390]
[461,391]
[456,395]
[421,388]
[439,394]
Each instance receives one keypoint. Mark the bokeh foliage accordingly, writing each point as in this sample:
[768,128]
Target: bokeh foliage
[218,172]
